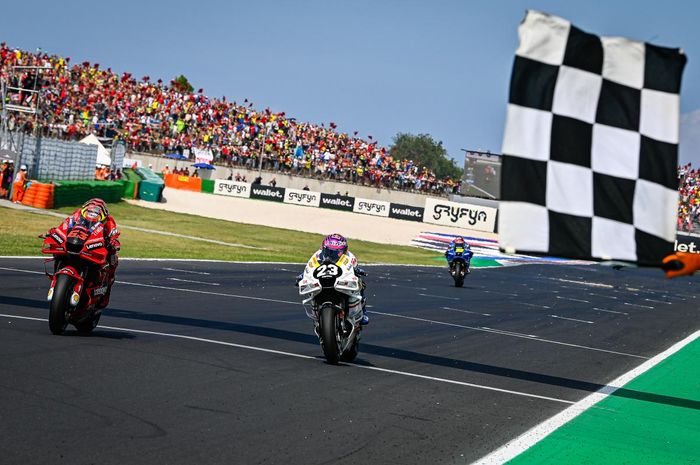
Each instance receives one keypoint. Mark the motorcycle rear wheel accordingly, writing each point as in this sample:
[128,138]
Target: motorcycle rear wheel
[59,304]
[459,277]
[329,334]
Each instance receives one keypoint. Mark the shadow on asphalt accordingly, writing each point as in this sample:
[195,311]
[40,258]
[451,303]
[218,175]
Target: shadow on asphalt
[382,351]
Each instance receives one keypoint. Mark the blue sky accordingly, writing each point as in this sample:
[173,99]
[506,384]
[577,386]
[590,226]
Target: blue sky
[378,67]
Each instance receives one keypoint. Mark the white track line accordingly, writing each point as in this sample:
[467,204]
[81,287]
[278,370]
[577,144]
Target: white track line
[604,296]
[501,293]
[659,301]
[192,238]
[572,319]
[262,299]
[309,357]
[149,231]
[573,300]
[535,305]
[506,333]
[465,311]
[583,283]
[534,435]
[193,281]
[609,311]
[640,306]
[409,287]
[186,271]
[438,296]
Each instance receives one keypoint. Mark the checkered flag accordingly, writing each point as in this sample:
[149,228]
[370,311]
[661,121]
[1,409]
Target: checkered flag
[590,146]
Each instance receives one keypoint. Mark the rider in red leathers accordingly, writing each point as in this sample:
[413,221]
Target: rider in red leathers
[95,210]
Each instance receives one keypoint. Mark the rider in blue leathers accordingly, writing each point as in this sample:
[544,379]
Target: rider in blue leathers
[459,245]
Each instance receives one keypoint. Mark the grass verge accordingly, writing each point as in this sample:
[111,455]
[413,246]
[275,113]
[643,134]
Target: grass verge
[19,231]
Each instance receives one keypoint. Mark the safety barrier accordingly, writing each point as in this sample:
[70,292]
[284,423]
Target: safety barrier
[208,186]
[151,187]
[183,182]
[67,193]
[131,184]
[436,211]
[39,195]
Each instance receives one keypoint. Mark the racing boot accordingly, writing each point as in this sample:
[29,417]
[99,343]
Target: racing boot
[111,272]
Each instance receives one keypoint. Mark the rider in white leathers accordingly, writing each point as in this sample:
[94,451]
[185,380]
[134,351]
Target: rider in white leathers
[334,249]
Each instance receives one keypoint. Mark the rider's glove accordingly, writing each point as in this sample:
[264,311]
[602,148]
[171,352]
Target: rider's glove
[360,272]
[300,276]
[114,244]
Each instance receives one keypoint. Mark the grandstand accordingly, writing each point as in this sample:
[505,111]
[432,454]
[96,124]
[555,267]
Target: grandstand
[160,118]
[47,95]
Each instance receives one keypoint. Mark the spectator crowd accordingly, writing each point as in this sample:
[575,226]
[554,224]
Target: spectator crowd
[155,117]
[689,198]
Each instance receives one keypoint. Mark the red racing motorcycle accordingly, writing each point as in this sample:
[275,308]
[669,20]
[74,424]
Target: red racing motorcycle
[79,280]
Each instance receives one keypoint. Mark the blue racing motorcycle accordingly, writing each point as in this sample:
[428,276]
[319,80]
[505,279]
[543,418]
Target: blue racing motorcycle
[459,258]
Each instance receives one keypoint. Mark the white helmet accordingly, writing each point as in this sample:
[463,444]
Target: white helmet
[23,168]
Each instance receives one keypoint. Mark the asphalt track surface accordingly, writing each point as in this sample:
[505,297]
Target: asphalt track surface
[198,362]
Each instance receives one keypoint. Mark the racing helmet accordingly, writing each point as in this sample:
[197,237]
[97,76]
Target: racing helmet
[459,241]
[94,210]
[333,247]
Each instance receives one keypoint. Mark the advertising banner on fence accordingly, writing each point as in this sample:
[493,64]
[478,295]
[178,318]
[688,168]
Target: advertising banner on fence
[232,188]
[687,243]
[276,194]
[337,202]
[463,215]
[302,197]
[371,207]
[405,212]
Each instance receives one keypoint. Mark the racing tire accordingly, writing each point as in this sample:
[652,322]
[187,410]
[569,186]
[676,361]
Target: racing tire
[59,304]
[459,277]
[88,324]
[329,334]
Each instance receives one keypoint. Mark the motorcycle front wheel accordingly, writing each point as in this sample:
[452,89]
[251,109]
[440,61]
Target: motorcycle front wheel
[329,334]
[59,304]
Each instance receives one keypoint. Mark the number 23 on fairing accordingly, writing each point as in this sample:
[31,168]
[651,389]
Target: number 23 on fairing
[327,271]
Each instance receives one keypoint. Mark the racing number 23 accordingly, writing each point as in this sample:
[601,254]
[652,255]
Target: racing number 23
[327,271]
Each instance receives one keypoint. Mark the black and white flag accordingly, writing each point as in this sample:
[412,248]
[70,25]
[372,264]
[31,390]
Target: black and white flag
[590,145]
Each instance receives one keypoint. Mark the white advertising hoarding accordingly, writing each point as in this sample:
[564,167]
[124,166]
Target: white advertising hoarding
[371,207]
[461,215]
[232,188]
[302,197]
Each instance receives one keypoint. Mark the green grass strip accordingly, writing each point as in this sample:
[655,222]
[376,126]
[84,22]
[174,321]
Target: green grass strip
[653,420]
[19,231]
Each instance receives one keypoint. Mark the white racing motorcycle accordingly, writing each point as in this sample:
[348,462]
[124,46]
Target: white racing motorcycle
[332,298]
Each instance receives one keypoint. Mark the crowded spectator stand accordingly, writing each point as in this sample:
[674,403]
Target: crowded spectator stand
[159,118]
[154,117]
[689,198]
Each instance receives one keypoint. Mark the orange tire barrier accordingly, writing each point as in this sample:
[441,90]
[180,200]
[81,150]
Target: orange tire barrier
[39,195]
[183,182]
